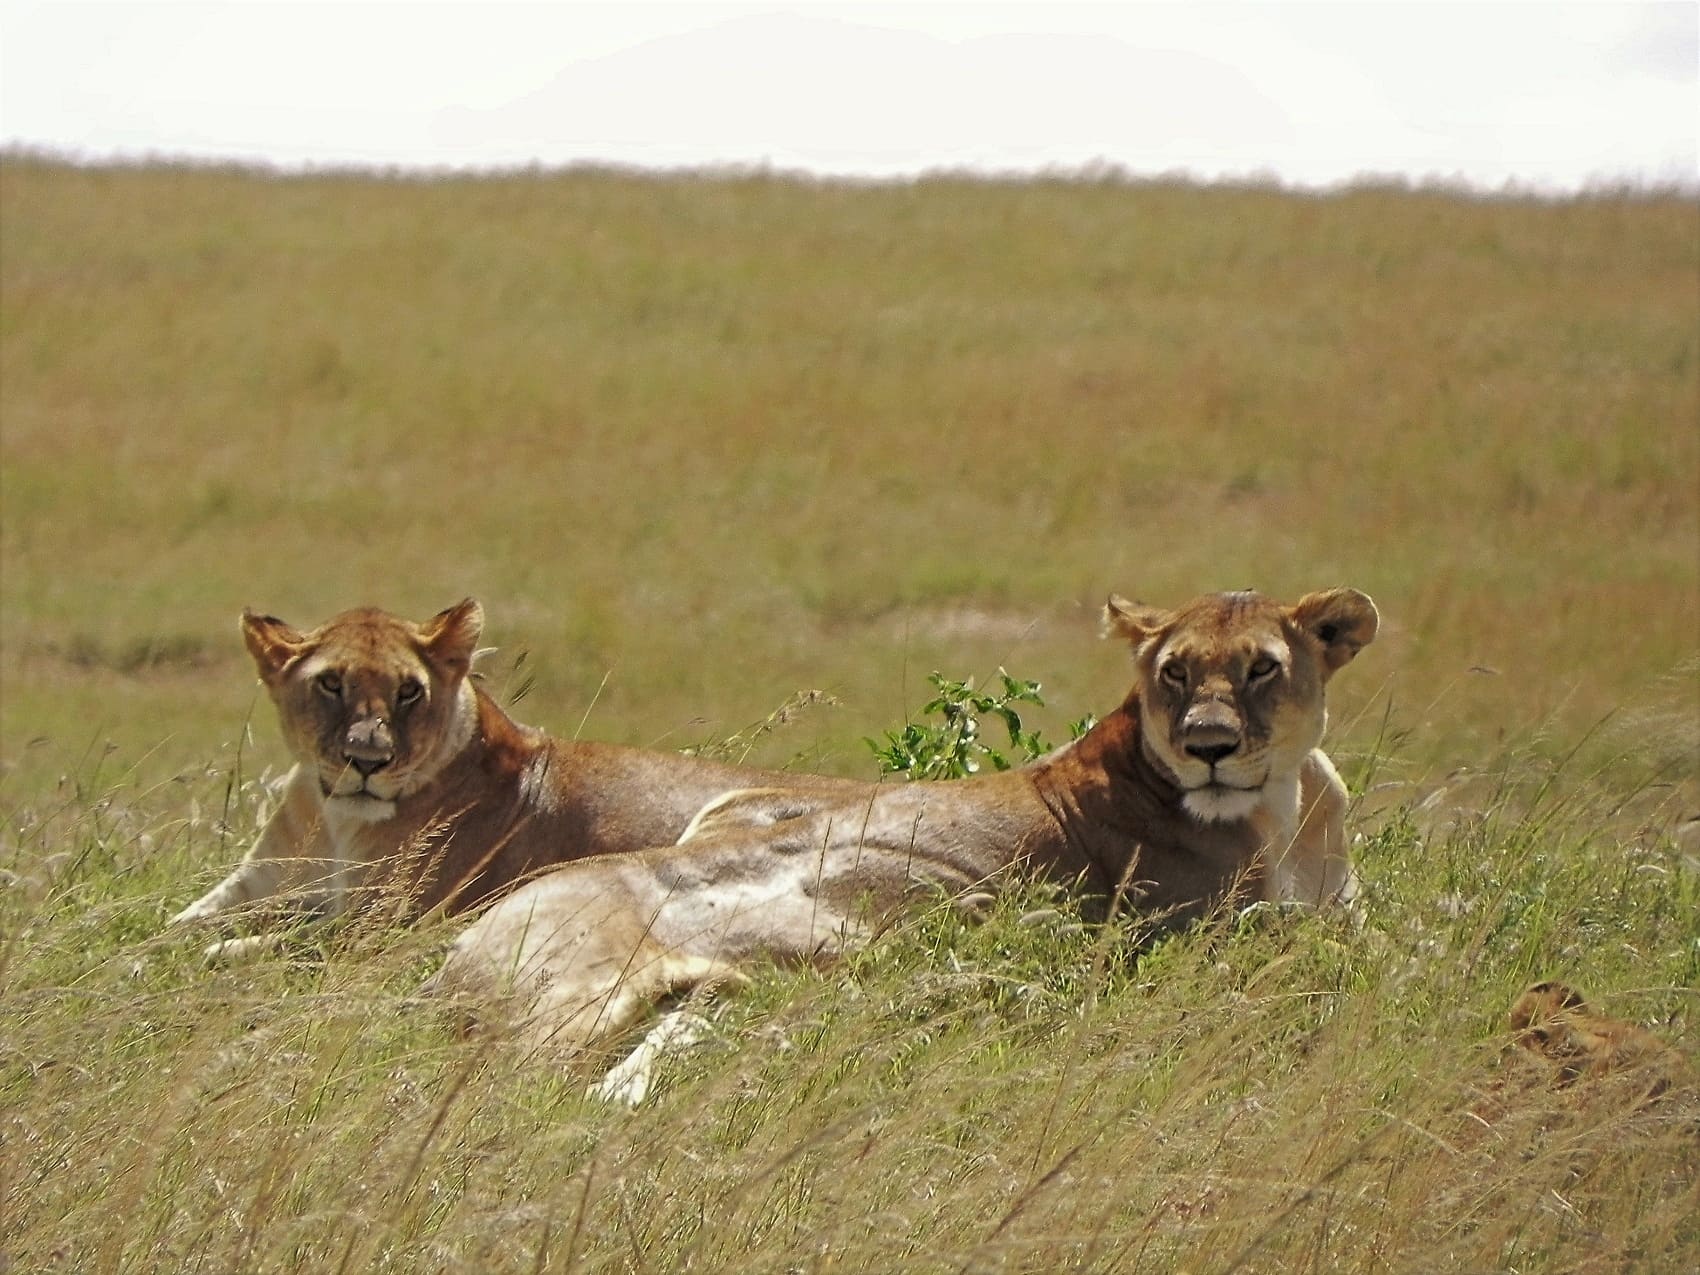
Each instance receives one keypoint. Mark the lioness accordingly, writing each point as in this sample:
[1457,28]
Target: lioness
[411,783]
[1207,779]
[1564,1058]
[1553,1022]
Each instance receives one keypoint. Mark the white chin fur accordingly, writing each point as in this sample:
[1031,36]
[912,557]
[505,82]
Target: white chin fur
[1219,805]
[360,809]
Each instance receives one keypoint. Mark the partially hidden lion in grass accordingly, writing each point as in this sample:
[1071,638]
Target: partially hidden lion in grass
[1206,781]
[411,784]
[1551,1021]
[1567,1068]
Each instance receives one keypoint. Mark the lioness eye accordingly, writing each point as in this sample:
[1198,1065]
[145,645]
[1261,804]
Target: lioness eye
[330,682]
[1175,672]
[1262,668]
[408,691]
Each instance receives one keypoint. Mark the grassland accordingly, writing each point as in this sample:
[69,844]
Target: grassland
[704,441]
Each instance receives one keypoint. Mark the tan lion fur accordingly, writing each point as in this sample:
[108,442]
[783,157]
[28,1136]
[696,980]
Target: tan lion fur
[1566,1068]
[1551,1021]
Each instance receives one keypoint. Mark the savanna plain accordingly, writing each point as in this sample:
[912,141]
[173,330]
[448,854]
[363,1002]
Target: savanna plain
[734,461]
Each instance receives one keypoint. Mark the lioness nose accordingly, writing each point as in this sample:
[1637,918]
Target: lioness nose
[1210,754]
[368,746]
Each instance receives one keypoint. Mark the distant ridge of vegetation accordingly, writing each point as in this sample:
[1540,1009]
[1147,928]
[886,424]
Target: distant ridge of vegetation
[1098,172]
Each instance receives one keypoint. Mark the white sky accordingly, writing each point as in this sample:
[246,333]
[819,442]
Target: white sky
[1549,96]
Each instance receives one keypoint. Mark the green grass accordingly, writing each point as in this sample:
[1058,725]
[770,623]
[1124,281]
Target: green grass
[700,443]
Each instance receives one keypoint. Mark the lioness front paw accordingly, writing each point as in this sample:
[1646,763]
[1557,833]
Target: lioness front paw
[236,951]
[629,1081]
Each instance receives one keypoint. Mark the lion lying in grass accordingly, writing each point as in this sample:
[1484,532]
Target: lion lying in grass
[1551,1021]
[1569,1075]
[411,784]
[1206,783]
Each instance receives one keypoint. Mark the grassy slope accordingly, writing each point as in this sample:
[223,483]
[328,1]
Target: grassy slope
[722,439]
[716,440]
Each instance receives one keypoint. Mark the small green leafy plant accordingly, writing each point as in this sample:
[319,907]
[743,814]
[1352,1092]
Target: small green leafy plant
[954,747]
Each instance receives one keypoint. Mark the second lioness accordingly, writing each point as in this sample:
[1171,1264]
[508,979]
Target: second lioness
[412,785]
[1208,778]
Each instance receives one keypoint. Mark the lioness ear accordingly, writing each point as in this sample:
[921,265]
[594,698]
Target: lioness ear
[1343,620]
[272,643]
[450,637]
[1131,620]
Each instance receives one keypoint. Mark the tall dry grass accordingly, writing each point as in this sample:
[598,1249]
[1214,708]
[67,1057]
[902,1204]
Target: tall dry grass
[1262,1093]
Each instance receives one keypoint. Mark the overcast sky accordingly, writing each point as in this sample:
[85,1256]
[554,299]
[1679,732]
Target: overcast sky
[1548,96]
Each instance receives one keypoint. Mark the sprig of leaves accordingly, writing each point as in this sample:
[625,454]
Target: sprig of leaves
[954,747]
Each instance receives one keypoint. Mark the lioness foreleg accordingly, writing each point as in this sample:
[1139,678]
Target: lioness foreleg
[235,951]
[583,955]
[292,853]
[628,1081]
[1313,864]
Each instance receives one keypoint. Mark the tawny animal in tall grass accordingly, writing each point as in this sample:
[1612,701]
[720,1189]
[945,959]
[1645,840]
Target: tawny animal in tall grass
[411,784]
[1551,1021]
[1206,783]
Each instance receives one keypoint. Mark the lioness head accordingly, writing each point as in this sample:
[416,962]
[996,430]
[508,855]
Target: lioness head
[373,703]
[1231,687]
